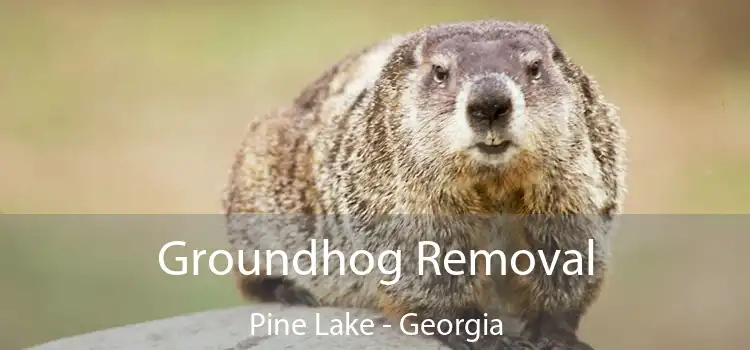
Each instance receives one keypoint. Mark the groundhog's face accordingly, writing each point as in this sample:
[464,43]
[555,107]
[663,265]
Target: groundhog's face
[489,93]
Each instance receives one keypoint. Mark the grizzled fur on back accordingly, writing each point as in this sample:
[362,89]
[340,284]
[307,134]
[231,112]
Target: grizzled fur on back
[376,136]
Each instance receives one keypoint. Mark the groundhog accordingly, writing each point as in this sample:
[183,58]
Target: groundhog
[478,136]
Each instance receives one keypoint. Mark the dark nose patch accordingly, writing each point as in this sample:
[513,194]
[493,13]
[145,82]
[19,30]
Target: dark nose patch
[490,101]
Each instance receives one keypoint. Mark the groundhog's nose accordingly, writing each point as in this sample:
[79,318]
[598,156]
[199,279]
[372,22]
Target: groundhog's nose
[490,101]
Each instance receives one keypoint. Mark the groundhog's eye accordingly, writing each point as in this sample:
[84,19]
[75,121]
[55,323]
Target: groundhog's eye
[439,73]
[534,70]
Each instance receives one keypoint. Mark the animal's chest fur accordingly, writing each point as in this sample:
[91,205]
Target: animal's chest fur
[475,219]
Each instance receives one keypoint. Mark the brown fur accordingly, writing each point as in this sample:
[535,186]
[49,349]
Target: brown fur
[372,140]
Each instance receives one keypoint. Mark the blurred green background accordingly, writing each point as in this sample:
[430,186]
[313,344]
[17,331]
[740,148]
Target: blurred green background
[137,107]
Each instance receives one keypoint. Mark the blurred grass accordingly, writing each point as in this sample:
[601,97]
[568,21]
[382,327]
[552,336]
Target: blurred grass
[74,273]
[116,108]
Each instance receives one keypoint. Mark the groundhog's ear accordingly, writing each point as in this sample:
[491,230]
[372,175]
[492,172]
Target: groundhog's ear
[557,53]
[576,76]
[573,72]
[570,70]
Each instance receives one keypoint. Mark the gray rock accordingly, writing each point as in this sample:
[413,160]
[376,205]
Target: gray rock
[231,329]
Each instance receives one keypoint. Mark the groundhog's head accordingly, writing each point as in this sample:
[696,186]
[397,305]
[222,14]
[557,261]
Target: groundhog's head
[485,94]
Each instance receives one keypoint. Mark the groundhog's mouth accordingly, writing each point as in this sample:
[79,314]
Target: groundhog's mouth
[494,149]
